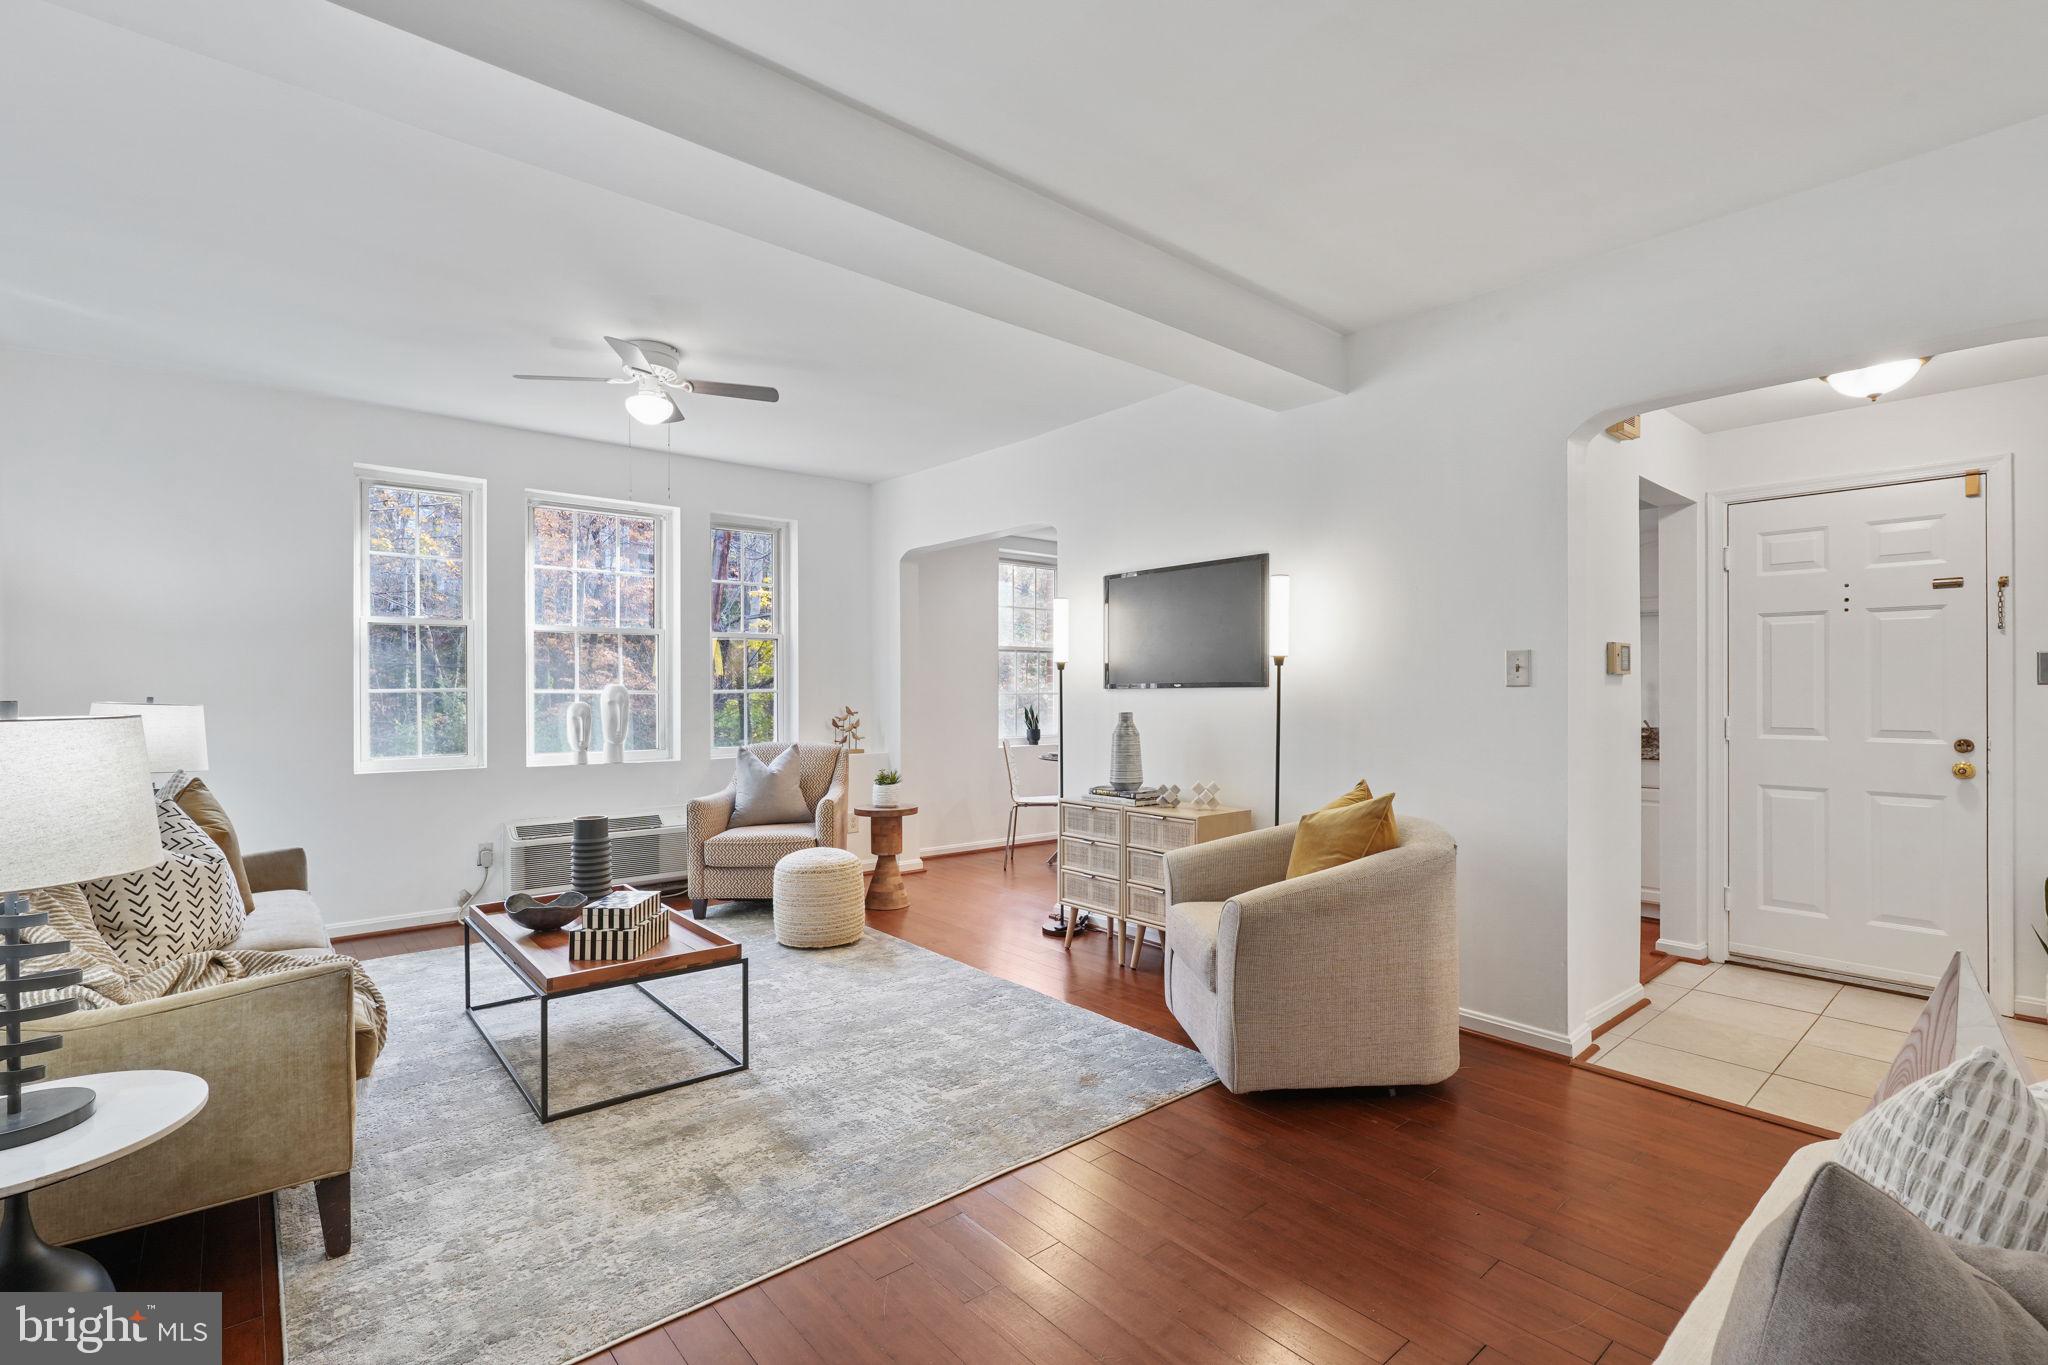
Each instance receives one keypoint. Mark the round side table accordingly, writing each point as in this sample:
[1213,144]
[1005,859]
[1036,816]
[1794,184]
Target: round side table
[134,1109]
[885,837]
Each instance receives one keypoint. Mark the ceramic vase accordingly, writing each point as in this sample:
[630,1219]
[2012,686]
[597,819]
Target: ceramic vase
[1126,764]
[885,793]
[590,855]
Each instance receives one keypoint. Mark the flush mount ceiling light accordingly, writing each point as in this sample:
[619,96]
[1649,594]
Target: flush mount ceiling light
[1875,381]
[652,407]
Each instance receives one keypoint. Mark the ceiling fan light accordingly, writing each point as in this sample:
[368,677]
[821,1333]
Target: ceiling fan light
[650,407]
[1875,381]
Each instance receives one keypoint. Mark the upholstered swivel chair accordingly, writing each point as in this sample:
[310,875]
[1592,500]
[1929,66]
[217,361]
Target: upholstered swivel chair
[737,862]
[1347,976]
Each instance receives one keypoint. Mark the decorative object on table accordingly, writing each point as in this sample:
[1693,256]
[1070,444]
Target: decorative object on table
[590,855]
[1171,796]
[542,915]
[174,735]
[1134,796]
[819,899]
[1031,731]
[579,723]
[846,729]
[76,805]
[616,703]
[1279,607]
[136,1109]
[1652,741]
[1205,793]
[623,907]
[1126,761]
[634,927]
[547,965]
[885,784]
[885,839]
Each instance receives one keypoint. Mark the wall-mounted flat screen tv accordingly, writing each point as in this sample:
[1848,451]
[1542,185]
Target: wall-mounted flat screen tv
[1191,625]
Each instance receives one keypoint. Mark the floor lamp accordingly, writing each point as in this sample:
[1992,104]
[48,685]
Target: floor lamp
[1061,637]
[1279,589]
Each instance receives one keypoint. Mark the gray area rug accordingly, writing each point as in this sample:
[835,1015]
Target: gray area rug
[885,1078]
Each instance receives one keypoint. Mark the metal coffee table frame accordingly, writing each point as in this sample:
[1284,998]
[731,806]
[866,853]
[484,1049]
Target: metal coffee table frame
[540,1105]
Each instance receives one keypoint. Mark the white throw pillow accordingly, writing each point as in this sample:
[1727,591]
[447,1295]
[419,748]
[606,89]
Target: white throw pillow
[769,793]
[188,903]
[1965,1150]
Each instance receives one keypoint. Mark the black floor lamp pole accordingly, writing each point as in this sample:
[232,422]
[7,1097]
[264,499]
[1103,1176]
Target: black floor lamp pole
[1279,671]
[1061,721]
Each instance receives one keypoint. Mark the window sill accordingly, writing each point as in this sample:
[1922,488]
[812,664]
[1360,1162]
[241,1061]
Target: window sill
[597,759]
[372,767]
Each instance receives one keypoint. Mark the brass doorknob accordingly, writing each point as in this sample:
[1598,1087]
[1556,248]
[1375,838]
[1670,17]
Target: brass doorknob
[1964,770]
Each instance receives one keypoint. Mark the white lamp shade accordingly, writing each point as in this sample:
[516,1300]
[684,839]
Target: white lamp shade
[76,801]
[1875,381]
[1061,638]
[1279,594]
[176,735]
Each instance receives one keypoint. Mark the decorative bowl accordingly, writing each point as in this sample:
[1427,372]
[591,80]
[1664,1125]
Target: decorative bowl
[530,912]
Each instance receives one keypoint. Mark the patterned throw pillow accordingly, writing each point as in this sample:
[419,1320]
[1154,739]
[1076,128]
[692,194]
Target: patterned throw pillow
[186,904]
[1965,1150]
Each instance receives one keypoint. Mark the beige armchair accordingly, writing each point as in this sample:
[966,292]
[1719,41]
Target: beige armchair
[737,862]
[1344,977]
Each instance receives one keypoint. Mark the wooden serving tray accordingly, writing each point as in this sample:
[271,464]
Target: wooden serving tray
[543,958]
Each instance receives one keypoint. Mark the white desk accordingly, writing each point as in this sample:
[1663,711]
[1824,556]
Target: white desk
[133,1109]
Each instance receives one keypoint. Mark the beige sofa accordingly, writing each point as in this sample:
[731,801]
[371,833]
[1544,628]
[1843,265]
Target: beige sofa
[737,862]
[280,1055]
[1344,977]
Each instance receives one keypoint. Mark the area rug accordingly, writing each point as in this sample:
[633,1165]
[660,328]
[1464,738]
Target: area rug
[884,1079]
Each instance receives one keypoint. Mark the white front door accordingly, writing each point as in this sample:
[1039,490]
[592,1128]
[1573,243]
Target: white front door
[1856,663]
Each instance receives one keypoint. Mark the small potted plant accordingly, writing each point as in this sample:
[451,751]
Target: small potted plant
[886,782]
[1031,725]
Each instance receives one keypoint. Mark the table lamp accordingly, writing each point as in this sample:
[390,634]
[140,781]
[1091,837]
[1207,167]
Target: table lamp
[76,804]
[175,735]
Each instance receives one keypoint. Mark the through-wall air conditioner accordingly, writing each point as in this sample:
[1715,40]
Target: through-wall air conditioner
[647,850]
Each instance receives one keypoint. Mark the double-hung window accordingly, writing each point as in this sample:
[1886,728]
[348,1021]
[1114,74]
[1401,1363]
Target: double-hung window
[419,635]
[750,655]
[600,602]
[1024,671]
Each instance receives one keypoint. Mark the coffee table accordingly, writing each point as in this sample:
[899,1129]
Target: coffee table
[542,961]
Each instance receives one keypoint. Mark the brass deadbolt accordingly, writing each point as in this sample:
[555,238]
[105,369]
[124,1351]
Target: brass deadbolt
[1964,746]
[1964,770]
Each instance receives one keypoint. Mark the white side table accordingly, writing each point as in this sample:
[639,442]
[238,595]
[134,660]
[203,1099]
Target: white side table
[135,1108]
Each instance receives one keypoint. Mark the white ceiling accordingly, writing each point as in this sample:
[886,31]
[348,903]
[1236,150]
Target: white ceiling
[1365,159]
[937,227]
[184,213]
[1945,373]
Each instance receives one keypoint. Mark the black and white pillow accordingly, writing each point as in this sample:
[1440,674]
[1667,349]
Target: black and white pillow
[1965,1150]
[187,903]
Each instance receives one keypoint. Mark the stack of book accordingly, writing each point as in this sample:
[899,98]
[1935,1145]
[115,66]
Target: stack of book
[619,926]
[1137,796]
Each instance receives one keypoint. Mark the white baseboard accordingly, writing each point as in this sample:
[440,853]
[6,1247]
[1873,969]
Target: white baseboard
[1653,901]
[1528,1035]
[1679,948]
[384,924]
[1623,1001]
[982,845]
[2030,1004]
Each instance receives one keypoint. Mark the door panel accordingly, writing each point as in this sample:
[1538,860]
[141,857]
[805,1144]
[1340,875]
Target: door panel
[1852,847]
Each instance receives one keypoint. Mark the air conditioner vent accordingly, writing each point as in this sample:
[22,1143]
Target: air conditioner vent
[646,848]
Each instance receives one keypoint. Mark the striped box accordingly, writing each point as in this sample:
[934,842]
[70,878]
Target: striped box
[619,945]
[623,908]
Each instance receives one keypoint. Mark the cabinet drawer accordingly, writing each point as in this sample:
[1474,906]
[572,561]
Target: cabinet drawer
[1145,905]
[1161,832]
[1147,866]
[1089,822]
[1098,860]
[1096,893]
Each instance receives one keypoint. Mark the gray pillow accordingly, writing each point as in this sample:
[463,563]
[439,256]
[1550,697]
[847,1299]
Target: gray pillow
[1848,1277]
[769,793]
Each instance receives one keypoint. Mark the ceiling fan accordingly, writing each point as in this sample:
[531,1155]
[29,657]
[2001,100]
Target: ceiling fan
[650,366]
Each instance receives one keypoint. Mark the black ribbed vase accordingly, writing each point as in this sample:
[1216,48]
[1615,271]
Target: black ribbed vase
[590,855]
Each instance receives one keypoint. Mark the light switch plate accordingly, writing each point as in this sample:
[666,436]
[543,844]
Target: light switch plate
[2041,670]
[1520,664]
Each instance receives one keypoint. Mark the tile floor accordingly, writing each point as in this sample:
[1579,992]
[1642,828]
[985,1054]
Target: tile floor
[1788,1045]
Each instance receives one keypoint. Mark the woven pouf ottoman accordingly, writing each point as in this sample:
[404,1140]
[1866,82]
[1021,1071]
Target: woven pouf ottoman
[819,899]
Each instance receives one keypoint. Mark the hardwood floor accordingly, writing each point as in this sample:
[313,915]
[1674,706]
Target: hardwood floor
[229,1251]
[1525,1210]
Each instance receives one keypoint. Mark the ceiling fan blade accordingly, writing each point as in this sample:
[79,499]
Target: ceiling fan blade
[631,356]
[570,378]
[760,393]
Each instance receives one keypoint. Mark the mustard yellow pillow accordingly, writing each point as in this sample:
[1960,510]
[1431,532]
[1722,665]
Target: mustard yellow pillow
[1360,793]
[1342,833]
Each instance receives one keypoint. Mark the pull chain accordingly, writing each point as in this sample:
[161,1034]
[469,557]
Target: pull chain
[2003,581]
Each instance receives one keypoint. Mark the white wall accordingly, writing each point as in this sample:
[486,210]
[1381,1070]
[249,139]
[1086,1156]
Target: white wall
[952,763]
[1424,518]
[1944,428]
[194,541]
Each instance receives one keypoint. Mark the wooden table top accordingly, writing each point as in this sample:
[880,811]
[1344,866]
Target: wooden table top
[543,958]
[875,812]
